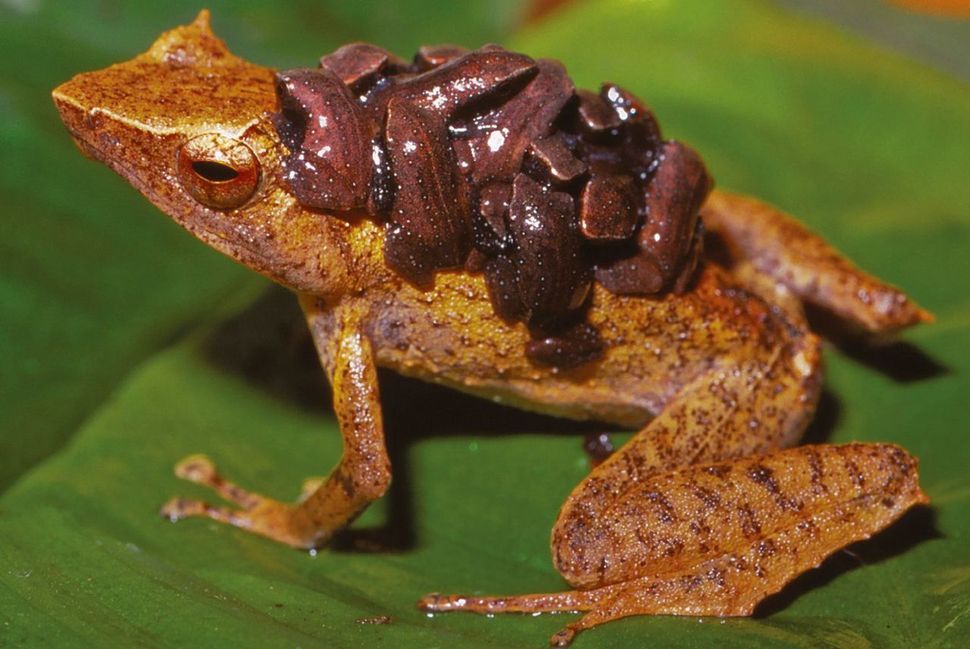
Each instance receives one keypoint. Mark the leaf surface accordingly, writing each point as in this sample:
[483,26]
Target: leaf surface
[867,147]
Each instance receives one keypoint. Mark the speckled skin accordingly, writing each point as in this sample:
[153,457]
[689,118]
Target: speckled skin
[726,371]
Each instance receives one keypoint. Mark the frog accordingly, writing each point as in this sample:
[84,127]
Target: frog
[708,508]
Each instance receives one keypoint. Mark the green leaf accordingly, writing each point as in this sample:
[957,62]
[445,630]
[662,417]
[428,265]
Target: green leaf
[868,148]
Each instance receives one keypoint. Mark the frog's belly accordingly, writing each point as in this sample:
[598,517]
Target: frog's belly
[450,336]
[550,397]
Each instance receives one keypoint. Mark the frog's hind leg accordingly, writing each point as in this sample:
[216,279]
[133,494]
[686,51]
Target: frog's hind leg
[326,506]
[762,241]
[716,539]
[740,409]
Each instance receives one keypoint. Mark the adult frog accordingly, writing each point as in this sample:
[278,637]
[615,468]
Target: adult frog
[706,510]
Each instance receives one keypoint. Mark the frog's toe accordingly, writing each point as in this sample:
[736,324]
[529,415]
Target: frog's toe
[201,470]
[269,518]
[178,508]
[596,603]
[562,637]
[196,468]
[253,512]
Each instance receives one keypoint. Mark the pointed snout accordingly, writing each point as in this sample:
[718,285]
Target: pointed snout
[76,116]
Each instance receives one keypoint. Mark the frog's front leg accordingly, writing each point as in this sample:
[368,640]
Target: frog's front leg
[361,476]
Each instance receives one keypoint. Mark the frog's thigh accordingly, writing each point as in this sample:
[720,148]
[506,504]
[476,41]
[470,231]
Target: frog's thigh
[771,291]
[729,412]
[361,476]
[784,250]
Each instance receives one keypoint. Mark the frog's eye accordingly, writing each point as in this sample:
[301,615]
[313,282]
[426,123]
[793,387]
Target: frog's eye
[218,171]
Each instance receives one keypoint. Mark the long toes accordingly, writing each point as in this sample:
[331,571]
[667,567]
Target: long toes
[255,513]
[178,508]
[562,637]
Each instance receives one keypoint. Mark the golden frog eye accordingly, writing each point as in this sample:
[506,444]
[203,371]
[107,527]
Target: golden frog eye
[218,171]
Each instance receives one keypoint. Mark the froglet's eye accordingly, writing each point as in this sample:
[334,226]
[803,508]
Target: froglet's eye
[218,171]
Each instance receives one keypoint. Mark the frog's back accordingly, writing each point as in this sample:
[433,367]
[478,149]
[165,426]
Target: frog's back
[653,346]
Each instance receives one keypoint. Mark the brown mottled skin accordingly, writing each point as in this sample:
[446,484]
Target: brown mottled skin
[700,513]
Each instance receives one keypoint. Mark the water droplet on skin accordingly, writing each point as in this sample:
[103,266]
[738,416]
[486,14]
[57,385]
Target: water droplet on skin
[495,140]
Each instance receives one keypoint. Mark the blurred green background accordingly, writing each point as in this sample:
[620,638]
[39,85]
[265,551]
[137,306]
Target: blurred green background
[125,344]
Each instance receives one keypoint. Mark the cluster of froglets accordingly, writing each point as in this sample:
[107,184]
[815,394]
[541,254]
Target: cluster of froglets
[493,161]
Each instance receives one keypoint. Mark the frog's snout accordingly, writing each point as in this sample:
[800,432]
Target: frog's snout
[73,115]
[88,124]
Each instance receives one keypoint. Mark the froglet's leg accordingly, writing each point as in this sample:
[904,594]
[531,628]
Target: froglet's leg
[363,473]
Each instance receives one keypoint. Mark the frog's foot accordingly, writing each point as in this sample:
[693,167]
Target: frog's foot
[716,539]
[362,475]
[759,239]
[257,514]
[574,601]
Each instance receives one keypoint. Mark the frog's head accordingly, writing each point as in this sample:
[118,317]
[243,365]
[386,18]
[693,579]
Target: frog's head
[188,124]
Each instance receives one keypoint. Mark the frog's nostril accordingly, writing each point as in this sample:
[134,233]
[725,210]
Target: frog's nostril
[215,172]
